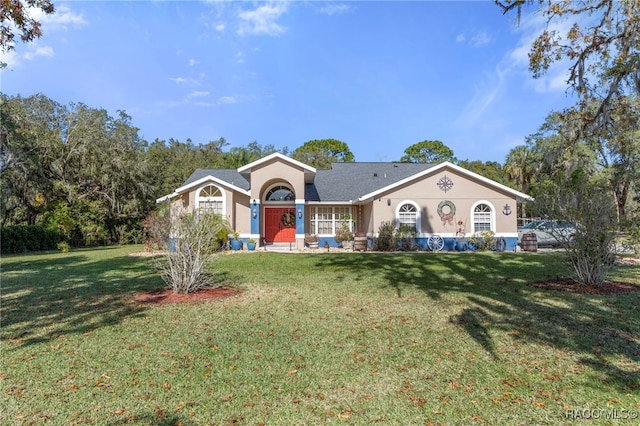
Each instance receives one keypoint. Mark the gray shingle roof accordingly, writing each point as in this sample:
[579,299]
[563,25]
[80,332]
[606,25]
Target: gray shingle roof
[228,175]
[350,181]
[342,182]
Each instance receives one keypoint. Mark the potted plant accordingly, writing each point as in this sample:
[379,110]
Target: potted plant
[344,236]
[312,241]
[251,244]
[236,243]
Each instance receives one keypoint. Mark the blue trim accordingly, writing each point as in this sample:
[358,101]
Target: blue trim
[299,220]
[450,244]
[255,221]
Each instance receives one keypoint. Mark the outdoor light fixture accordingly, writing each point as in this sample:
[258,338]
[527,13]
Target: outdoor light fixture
[388,201]
[299,213]
[254,213]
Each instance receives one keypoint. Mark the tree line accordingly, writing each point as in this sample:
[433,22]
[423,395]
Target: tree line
[90,176]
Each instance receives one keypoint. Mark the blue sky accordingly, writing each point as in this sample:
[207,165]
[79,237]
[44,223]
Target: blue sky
[379,76]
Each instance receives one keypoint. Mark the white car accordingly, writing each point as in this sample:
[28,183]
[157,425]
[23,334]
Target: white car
[548,232]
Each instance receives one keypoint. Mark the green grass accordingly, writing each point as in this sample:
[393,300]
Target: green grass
[339,338]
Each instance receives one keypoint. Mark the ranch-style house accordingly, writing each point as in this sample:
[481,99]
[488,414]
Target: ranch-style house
[280,200]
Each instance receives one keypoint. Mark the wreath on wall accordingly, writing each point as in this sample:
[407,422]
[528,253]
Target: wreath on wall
[288,220]
[446,216]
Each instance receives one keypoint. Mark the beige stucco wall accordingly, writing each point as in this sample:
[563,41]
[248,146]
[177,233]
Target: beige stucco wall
[424,192]
[275,171]
[237,207]
[464,194]
[240,217]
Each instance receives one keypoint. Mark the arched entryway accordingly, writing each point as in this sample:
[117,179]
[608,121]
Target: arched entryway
[279,215]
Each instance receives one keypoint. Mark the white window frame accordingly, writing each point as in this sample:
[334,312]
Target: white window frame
[279,185]
[418,216]
[334,216]
[211,199]
[492,217]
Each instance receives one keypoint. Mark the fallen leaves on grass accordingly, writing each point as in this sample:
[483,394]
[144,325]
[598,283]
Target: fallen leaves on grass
[567,284]
[168,296]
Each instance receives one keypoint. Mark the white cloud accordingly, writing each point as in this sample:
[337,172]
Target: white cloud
[484,97]
[480,39]
[183,80]
[262,20]
[513,69]
[226,100]
[240,58]
[10,58]
[198,94]
[555,79]
[60,19]
[220,27]
[36,50]
[193,62]
[335,9]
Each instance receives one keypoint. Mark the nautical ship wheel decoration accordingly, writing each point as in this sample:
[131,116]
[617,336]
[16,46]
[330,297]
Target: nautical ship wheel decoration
[445,183]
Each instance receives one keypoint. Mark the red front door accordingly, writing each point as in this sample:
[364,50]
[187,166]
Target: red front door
[279,224]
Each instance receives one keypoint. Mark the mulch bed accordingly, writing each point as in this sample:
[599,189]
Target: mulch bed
[168,296]
[567,284]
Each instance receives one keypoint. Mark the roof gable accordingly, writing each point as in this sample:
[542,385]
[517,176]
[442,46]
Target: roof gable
[347,182]
[281,157]
[228,178]
[437,168]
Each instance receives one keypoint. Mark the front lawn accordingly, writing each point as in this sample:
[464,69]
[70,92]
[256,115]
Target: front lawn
[351,338]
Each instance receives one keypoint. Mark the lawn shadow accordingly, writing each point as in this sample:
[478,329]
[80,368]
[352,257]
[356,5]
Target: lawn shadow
[159,418]
[47,295]
[495,285]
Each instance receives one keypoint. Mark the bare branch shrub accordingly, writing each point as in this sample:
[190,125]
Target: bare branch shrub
[189,244]
[591,250]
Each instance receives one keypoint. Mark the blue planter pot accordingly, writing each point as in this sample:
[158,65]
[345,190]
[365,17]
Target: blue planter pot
[236,245]
[461,245]
[251,246]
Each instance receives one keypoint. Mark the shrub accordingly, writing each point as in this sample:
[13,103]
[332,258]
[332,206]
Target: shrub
[64,247]
[632,242]
[343,234]
[189,248]
[483,240]
[386,240]
[591,252]
[406,238]
[26,238]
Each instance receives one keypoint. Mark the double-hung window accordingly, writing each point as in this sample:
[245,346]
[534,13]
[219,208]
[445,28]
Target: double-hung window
[326,220]
[482,218]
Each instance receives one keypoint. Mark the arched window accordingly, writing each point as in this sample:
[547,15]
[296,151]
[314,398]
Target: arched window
[280,193]
[210,199]
[408,215]
[482,217]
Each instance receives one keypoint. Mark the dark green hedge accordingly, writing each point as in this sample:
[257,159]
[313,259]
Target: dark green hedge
[25,238]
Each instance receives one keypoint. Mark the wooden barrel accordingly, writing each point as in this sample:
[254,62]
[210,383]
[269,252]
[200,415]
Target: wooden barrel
[529,242]
[360,244]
